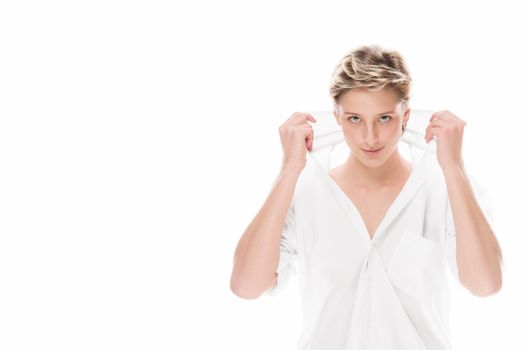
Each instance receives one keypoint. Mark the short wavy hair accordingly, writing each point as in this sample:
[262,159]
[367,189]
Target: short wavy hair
[371,67]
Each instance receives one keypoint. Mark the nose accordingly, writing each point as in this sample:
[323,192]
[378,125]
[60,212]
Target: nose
[370,135]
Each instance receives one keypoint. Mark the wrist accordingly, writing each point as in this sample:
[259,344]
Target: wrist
[291,168]
[454,170]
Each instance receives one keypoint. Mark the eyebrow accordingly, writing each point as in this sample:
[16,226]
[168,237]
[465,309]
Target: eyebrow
[378,114]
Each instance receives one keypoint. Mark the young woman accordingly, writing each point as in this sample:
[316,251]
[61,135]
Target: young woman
[372,237]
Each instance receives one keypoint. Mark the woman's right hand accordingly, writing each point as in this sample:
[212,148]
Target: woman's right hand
[296,138]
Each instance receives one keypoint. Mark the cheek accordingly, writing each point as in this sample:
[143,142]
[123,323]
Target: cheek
[352,135]
[392,130]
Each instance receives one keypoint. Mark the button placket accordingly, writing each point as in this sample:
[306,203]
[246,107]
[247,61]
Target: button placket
[371,247]
[371,244]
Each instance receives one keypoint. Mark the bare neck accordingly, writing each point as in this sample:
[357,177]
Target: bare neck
[395,169]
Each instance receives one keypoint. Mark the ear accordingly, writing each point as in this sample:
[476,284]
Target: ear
[406,115]
[336,113]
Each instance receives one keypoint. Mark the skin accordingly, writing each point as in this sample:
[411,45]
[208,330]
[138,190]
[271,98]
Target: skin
[478,255]
[373,181]
[368,129]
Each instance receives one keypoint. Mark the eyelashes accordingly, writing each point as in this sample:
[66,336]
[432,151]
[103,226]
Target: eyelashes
[389,117]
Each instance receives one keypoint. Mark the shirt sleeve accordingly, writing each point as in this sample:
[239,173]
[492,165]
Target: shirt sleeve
[485,202]
[287,254]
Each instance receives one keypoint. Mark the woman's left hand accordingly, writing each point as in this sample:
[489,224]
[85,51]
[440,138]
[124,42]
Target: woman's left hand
[448,130]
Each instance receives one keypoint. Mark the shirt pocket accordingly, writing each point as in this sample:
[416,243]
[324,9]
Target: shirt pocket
[415,266]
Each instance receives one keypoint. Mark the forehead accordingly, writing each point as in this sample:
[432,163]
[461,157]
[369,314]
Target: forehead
[366,102]
[383,96]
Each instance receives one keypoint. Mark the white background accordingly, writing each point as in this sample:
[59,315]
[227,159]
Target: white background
[138,139]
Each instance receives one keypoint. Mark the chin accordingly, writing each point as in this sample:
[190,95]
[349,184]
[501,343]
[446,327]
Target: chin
[375,161]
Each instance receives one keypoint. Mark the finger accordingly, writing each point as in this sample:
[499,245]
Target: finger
[461,121]
[447,116]
[429,136]
[295,118]
[300,118]
[307,143]
[430,131]
[431,125]
[311,118]
[310,139]
[438,122]
[439,115]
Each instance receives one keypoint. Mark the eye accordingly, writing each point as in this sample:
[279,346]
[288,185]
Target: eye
[355,116]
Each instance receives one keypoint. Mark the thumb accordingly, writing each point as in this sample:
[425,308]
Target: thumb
[311,118]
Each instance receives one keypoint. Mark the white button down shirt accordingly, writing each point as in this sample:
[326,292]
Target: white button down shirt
[388,292]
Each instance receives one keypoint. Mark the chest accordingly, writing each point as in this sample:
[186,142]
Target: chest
[372,205]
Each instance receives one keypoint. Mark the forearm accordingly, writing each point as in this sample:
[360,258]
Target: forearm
[478,253]
[257,253]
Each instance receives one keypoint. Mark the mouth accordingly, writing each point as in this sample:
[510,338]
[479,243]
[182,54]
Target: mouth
[372,151]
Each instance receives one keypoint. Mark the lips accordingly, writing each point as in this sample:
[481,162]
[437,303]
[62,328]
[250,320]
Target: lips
[372,150]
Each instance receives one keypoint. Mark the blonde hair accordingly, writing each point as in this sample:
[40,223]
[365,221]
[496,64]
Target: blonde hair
[371,67]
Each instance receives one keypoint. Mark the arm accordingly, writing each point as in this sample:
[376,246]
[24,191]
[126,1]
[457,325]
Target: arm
[478,253]
[257,253]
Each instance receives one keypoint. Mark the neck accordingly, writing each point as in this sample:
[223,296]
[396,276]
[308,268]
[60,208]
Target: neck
[392,171]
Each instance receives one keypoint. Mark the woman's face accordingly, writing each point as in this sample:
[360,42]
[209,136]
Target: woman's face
[370,121]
